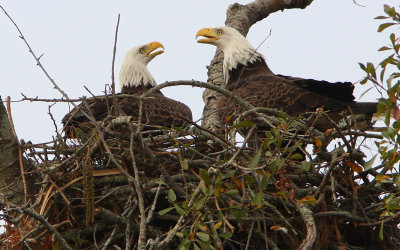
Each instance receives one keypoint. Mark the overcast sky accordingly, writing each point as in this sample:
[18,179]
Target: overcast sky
[324,41]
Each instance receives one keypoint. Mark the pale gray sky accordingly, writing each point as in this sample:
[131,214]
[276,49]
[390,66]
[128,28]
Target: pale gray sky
[324,41]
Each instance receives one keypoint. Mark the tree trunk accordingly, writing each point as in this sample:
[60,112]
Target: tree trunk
[11,185]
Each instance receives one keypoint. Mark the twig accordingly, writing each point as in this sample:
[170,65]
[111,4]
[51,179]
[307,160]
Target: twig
[153,206]
[327,174]
[114,96]
[339,131]
[113,58]
[110,239]
[249,236]
[52,118]
[139,192]
[202,128]
[37,59]
[240,149]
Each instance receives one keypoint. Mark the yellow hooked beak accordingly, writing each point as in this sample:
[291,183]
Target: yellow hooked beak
[150,47]
[210,34]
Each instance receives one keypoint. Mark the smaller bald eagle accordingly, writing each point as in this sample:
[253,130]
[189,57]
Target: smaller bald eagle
[135,79]
[247,75]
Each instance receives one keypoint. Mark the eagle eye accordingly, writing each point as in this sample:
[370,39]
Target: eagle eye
[219,32]
[142,50]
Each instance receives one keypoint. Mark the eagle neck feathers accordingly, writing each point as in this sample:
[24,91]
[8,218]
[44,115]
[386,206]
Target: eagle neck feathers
[237,53]
[134,74]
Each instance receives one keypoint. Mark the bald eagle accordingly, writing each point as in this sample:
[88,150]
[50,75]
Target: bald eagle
[135,79]
[247,75]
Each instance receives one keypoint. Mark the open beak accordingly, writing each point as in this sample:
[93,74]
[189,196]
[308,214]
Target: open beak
[209,33]
[152,47]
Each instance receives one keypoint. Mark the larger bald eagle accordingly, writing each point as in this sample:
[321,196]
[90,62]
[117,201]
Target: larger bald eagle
[247,75]
[135,79]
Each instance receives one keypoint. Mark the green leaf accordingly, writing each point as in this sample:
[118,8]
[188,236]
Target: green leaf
[384,48]
[184,164]
[171,195]
[203,236]
[232,192]
[204,245]
[165,211]
[179,129]
[269,135]
[362,66]
[238,213]
[264,182]
[381,17]
[364,81]
[229,174]
[179,234]
[204,175]
[382,73]
[257,199]
[296,156]
[383,26]
[390,11]
[255,160]
[381,232]
[396,48]
[196,247]
[371,70]
[249,179]
[179,210]
[387,119]
[279,162]
[393,39]
[368,164]
[185,244]
[199,203]
[225,235]
[244,124]
[203,187]
[305,165]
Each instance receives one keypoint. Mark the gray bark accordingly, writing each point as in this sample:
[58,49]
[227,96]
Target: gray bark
[11,185]
[240,17]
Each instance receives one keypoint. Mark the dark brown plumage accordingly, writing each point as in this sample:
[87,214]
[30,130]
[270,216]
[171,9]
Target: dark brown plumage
[256,84]
[158,110]
[135,79]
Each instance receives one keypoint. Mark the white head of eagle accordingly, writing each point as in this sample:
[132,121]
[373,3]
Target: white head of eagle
[237,50]
[134,70]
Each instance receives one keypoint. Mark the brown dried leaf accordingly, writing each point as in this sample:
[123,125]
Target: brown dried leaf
[238,183]
[357,168]
[317,141]
[228,118]
[382,177]
[396,113]
[276,227]
[328,132]
[309,200]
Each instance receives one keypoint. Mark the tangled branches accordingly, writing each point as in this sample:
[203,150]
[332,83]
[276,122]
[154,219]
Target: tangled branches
[120,186]
[124,187]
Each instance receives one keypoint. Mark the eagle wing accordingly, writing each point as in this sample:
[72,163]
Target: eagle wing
[295,96]
[158,110]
